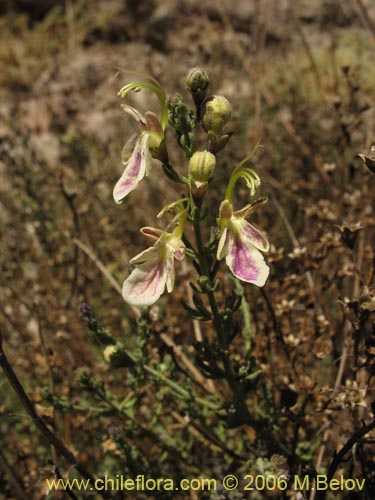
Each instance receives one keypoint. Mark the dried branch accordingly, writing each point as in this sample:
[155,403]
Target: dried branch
[14,480]
[340,456]
[49,436]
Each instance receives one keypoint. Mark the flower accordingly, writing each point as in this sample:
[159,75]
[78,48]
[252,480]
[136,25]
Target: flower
[240,243]
[154,267]
[137,152]
[217,111]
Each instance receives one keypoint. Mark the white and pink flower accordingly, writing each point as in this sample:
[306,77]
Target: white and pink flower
[154,267]
[241,244]
[138,151]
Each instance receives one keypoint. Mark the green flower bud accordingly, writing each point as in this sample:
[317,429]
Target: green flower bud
[117,357]
[197,81]
[217,111]
[108,352]
[201,166]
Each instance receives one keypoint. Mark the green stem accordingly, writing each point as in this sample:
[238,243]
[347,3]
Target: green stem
[247,332]
[235,386]
[179,390]
[176,388]
[243,415]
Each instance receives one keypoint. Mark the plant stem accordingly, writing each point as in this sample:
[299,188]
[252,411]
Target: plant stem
[339,457]
[236,387]
[178,390]
[242,415]
[46,432]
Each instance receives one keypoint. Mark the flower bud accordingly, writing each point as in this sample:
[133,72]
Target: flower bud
[117,357]
[177,112]
[108,352]
[201,166]
[217,111]
[197,81]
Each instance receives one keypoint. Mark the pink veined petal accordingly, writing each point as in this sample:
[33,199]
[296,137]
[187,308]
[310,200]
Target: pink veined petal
[146,283]
[152,232]
[154,271]
[136,168]
[246,262]
[222,248]
[175,247]
[179,254]
[253,236]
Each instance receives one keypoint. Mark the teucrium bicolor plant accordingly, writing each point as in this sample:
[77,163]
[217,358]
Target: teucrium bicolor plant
[233,238]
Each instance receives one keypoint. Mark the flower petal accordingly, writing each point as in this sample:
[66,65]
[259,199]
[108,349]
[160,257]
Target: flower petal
[150,254]
[128,149]
[155,130]
[246,262]
[147,282]
[152,232]
[135,114]
[254,236]
[155,268]
[136,168]
[222,248]
[169,271]
[175,246]
[179,253]
[248,209]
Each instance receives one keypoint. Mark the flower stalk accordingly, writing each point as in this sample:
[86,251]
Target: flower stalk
[242,412]
[233,239]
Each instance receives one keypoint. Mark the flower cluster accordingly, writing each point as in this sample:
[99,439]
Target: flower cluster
[237,241]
